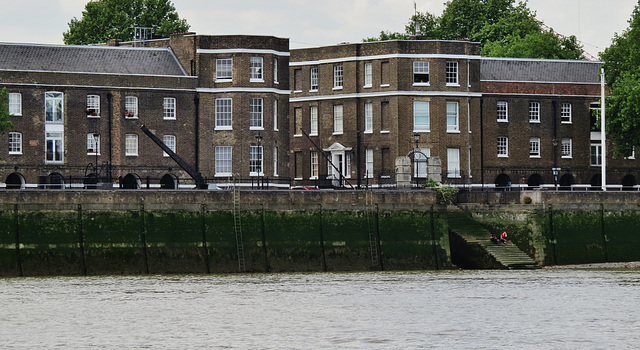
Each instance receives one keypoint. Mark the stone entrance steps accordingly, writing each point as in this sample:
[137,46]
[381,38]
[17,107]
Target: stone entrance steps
[508,255]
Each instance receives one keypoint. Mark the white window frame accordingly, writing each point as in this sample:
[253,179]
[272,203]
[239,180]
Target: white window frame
[275,161]
[224,69]
[314,165]
[257,69]
[169,108]
[223,161]
[534,147]
[347,165]
[368,118]
[566,148]
[275,70]
[15,143]
[54,107]
[224,113]
[338,77]
[313,72]
[57,142]
[170,141]
[565,113]
[93,106]
[453,117]
[420,70]
[256,114]
[451,72]
[131,145]
[534,112]
[15,104]
[313,120]
[368,75]
[93,144]
[256,161]
[598,154]
[502,111]
[275,115]
[369,163]
[420,126]
[503,147]
[453,163]
[131,107]
[338,119]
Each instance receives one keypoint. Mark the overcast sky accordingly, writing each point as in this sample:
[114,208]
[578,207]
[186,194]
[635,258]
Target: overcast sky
[315,23]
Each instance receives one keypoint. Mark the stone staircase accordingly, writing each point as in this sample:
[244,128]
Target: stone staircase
[508,255]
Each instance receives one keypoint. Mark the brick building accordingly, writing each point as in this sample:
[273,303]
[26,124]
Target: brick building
[243,107]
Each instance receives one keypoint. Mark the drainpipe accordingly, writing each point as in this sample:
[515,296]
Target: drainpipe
[110,106]
[482,142]
[196,102]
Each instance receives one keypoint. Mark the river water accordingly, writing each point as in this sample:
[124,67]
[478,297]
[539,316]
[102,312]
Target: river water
[542,309]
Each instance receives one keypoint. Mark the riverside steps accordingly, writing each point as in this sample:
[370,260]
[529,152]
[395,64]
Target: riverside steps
[471,233]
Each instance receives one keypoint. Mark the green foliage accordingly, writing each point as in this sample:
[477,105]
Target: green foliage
[387,35]
[432,183]
[527,200]
[116,19]
[504,28]
[622,73]
[447,194]
[5,123]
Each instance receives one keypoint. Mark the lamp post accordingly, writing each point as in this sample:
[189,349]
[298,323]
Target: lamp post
[96,139]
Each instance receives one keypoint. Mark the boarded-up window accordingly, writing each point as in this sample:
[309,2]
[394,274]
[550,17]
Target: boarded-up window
[386,162]
[297,119]
[384,116]
[384,72]
[298,164]
[297,80]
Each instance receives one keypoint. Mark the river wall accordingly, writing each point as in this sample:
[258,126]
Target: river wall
[139,232]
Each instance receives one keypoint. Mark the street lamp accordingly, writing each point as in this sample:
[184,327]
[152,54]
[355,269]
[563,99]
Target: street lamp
[96,138]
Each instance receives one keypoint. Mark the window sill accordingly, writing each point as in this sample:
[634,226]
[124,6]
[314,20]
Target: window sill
[421,130]
[421,84]
[15,114]
[534,157]
[337,133]
[93,116]
[297,91]
[168,118]
[15,153]
[313,178]
[222,128]
[337,88]
[54,162]
[503,156]
[223,174]
[256,128]
[368,132]
[534,121]
[297,135]
[385,85]
[454,176]
[384,131]
[298,178]
[453,84]
[130,155]
[276,82]
[503,120]
[256,80]
[312,90]
[92,154]
[566,157]
[367,86]
[223,80]
[565,122]
[314,134]
[256,174]
[276,129]
[133,118]
[453,131]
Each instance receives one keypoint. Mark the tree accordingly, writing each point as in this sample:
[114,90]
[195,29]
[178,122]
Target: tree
[502,27]
[623,79]
[5,123]
[116,19]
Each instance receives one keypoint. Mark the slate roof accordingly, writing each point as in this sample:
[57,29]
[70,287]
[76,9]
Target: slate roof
[537,70]
[88,59]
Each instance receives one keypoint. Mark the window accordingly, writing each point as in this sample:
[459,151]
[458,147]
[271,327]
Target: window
[452,73]
[169,108]
[503,146]
[534,147]
[314,79]
[15,143]
[421,159]
[255,116]
[275,70]
[452,117]
[385,119]
[255,161]
[420,73]
[596,154]
[93,106]
[384,74]
[53,107]
[297,121]
[337,119]
[368,75]
[256,69]
[54,147]
[170,141]
[369,163]
[453,162]
[297,80]
[594,108]
[15,104]
[275,161]
[566,148]
[131,145]
[313,118]
[565,113]
[297,165]
[368,118]
[534,112]
[275,115]
[224,69]
[223,160]
[337,76]
[385,161]
[93,144]
[347,165]
[502,109]
[131,107]
[223,114]
[314,165]
[420,116]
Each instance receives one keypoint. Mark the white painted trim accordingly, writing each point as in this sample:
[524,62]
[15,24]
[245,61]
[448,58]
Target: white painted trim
[250,51]
[382,57]
[243,89]
[385,94]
